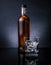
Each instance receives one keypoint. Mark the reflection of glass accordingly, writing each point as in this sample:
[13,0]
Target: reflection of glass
[25,61]
[31,62]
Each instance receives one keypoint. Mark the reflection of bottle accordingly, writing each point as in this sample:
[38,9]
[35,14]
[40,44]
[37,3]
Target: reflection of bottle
[23,28]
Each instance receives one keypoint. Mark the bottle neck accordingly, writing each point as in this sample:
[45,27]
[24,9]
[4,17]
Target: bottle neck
[23,11]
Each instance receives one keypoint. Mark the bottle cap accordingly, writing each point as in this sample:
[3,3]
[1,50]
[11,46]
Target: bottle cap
[23,5]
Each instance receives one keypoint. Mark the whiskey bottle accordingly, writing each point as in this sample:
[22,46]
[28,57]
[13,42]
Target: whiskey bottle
[23,28]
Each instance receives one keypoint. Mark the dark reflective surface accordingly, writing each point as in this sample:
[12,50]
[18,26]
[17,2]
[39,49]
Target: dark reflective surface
[9,56]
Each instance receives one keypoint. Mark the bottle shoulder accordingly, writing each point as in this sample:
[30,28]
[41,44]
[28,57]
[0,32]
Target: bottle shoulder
[24,17]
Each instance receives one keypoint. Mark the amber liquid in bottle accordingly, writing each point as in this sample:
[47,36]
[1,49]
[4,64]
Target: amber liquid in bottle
[23,29]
